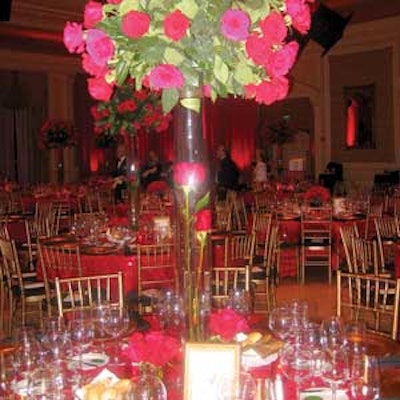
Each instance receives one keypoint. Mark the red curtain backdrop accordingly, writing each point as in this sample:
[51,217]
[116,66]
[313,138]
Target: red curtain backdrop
[231,122]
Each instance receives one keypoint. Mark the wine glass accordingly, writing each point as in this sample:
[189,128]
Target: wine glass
[333,334]
[297,364]
[81,331]
[365,377]
[335,369]
[243,389]
[55,338]
[116,323]
[280,322]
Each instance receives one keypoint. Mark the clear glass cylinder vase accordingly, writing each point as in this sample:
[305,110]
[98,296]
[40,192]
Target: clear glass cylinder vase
[191,182]
[133,183]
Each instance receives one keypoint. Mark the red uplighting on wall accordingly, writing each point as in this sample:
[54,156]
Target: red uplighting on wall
[351,129]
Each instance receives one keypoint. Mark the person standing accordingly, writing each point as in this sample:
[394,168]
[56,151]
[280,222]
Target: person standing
[227,174]
[260,172]
[151,171]
[120,172]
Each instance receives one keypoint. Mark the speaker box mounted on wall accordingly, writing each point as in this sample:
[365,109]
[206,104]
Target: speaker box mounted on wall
[5,10]
[327,27]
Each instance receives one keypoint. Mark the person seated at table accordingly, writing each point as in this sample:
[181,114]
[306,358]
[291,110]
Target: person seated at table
[227,173]
[120,172]
[332,176]
[151,171]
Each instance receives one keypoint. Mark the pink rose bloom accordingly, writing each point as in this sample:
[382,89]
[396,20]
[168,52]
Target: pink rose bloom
[258,48]
[114,1]
[227,323]
[93,14]
[175,25]
[189,173]
[235,25]
[268,92]
[274,28]
[99,89]
[300,14]
[73,38]
[92,68]
[280,62]
[99,46]
[166,76]
[207,90]
[135,24]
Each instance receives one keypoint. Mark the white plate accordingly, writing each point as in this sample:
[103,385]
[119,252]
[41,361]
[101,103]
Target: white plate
[324,393]
[88,361]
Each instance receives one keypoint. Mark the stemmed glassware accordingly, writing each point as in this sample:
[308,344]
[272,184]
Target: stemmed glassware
[116,323]
[296,364]
[365,377]
[335,368]
[333,335]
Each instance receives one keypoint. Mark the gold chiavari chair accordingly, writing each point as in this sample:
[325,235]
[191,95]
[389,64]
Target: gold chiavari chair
[58,261]
[347,234]
[22,293]
[373,299]
[387,231]
[156,272]
[261,225]
[375,210]
[316,240]
[87,292]
[263,276]
[365,256]
[239,250]
[226,279]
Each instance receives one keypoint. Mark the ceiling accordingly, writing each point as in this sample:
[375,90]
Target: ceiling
[37,25]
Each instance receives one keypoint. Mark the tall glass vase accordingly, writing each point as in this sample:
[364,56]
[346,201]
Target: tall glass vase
[191,179]
[133,183]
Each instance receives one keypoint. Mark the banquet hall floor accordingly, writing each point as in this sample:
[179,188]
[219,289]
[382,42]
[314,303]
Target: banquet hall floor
[319,294]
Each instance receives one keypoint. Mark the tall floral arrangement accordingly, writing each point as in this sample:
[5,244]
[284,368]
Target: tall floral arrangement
[188,177]
[129,111]
[57,133]
[241,47]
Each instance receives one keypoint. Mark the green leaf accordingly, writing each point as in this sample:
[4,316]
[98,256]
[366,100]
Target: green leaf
[169,99]
[173,56]
[191,104]
[203,202]
[221,70]
[128,5]
[121,72]
[188,7]
[244,74]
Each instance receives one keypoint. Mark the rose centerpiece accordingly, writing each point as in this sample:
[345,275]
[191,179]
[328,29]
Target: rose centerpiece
[244,48]
[57,133]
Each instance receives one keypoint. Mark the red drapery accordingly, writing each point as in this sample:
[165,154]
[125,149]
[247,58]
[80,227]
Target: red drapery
[230,121]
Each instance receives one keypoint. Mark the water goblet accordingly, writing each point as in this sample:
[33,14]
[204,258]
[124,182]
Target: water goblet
[333,334]
[365,377]
[116,323]
[280,322]
[335,369]
[297,364]
[81,331]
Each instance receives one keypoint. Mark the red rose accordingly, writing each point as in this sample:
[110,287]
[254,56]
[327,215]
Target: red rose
[93,14]
[114,1]
[154,347]
[135,24]
[92,68]
[99,89]
[258,48]
[300,13]
[268,92]
[99,46]
[203,220]
[274,28]
[227,323]
[166,76]
[73,38]
[280,62]
[235,25]
[175,25]
[189,174]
